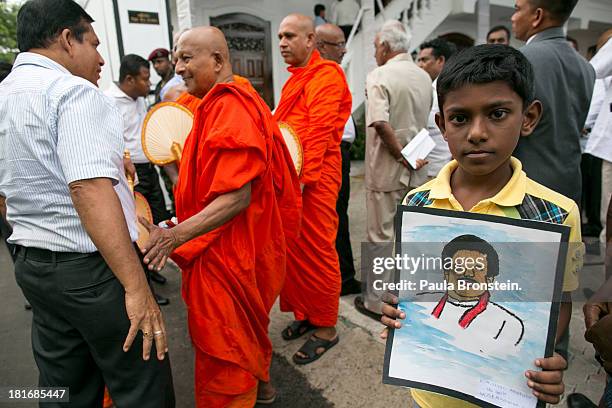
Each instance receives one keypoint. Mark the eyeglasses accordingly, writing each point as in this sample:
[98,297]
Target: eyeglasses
[340,44]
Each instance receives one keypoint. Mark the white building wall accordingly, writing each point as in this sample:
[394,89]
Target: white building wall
[104,26]
[138,39]
[270,10]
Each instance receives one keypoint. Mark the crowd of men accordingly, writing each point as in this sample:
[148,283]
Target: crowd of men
[250,229]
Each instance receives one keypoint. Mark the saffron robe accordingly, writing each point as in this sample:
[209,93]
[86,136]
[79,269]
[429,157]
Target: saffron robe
[233,274]
[189,101]
[316,103]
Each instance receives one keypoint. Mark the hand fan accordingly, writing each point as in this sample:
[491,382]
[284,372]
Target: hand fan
[293,144]
[142,210]
[164,131]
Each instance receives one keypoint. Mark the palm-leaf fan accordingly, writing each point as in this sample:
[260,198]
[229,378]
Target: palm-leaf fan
[294,145]
[164,131]
[142,210]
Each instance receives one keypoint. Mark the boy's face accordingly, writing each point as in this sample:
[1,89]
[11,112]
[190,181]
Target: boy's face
[482,124]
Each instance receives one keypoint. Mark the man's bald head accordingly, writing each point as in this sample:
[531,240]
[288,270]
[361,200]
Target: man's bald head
[302,22]
[203,59]
[331,42]
[296,36]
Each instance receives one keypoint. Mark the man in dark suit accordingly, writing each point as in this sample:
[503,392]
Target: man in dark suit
[564,84]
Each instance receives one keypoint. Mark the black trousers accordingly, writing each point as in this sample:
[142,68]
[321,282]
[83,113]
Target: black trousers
[343,239]
[148,185]
[79,325]
[590,167]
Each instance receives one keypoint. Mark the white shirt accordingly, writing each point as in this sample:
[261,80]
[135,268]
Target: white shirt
[55,128]
[133,112]
[344,12]
[349,131]
[318,20]
[440,155]
[494,332]
[599,94]
[600,140]
[174,81]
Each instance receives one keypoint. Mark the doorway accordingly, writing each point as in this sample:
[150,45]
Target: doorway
[249,41]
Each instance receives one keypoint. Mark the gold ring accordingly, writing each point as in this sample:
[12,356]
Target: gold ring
[145,334]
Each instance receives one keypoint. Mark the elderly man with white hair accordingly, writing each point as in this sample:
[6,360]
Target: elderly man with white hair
[398,103]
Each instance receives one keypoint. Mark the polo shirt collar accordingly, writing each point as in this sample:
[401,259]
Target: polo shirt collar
[32,58]
[511,195]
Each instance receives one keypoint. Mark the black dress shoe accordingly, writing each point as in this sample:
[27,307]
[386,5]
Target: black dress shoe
[162,301]
[350,287]
[158,277]
[579,401]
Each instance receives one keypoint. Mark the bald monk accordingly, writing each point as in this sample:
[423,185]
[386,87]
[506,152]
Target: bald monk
[316,103]
[332,46]
[230,241]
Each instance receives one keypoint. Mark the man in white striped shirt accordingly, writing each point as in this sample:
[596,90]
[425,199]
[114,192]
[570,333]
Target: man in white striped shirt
[61,171]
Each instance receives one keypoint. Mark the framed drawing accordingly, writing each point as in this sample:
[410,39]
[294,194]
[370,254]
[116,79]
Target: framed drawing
[480,294]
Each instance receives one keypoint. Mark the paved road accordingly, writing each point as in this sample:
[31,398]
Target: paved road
[348,376]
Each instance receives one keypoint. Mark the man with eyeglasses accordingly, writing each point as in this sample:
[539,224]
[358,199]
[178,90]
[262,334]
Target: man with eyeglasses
[332,46]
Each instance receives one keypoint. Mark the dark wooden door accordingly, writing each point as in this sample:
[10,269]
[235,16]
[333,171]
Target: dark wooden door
[248,38]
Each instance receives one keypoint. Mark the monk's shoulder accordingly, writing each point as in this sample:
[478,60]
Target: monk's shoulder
[328,78]
[331,72]
[225,102]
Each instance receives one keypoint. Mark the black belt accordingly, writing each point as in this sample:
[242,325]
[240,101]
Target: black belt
[345,144]
[47,256]
[144,165]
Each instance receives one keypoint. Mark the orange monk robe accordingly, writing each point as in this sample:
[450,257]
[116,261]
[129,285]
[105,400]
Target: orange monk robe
[316,103]
[233,274]
[189,101]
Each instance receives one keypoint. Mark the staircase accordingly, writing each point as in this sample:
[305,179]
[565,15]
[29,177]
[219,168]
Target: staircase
[420,16]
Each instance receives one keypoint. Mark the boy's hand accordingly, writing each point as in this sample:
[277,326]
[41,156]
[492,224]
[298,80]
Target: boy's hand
[547,385]
[390,314]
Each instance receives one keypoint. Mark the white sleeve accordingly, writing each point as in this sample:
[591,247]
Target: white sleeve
[89,135]
[599,94]
[602,61]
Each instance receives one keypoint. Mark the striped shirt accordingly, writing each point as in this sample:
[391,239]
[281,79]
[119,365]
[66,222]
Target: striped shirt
[55,128]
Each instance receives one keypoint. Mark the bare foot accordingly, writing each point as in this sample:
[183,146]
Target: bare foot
[265,391]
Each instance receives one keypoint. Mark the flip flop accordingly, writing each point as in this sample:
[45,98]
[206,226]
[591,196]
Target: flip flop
[361,308]
[297,329]
[267,401]
[310,349]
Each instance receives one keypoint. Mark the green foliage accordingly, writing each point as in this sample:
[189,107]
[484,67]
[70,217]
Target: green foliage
[8,31]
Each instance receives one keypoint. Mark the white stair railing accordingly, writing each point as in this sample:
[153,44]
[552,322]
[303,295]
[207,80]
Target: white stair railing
[420,16]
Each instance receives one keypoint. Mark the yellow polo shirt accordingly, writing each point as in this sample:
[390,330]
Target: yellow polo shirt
[521,198]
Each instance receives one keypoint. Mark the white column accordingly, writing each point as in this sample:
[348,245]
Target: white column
[183,12]
[369,32]
[483,20]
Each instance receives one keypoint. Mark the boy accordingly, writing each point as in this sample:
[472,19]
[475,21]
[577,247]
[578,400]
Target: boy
[486,98]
